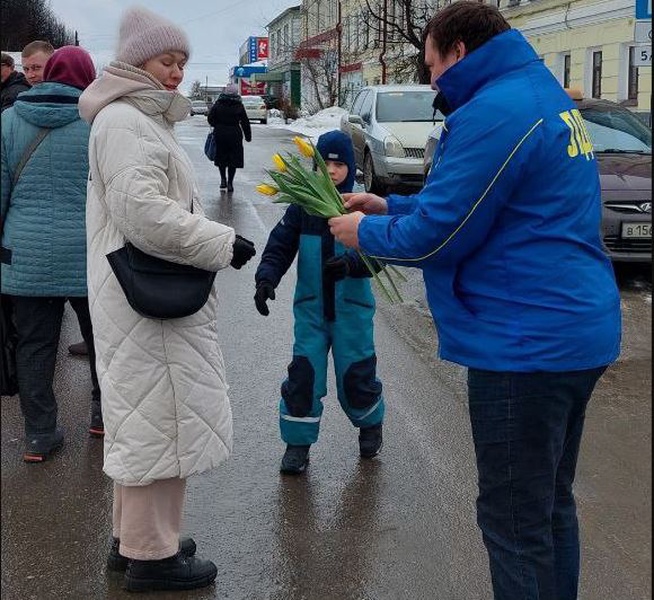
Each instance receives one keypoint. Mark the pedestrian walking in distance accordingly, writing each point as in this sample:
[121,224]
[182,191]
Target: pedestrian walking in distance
[230,125]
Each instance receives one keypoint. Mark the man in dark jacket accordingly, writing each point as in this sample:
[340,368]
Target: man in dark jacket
[13,82]
[230,125]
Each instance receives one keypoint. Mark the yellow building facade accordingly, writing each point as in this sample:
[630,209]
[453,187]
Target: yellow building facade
[587,44]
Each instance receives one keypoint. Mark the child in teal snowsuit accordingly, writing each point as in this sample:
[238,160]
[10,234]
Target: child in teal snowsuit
[333,309]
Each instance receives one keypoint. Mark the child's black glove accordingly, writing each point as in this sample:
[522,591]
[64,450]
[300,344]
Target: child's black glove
[265,291]
[336,268]
[243,251]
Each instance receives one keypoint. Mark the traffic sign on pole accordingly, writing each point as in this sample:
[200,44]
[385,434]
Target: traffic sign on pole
[643,9]
[643,55]
[643,32]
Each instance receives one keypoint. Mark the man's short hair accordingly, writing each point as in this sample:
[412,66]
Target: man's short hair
[37,46]
[473,23]
[7,60]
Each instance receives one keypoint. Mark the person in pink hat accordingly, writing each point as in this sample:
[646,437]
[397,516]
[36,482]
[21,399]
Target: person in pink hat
[166,410]
[44,171]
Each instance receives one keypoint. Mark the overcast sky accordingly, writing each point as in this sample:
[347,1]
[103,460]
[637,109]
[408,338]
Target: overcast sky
[216,28]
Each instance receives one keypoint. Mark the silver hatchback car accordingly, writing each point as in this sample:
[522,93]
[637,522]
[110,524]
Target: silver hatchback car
[389,125]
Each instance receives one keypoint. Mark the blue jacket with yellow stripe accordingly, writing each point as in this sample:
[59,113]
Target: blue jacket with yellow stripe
[507,227]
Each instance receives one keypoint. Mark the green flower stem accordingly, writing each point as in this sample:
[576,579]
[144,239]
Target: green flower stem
[390,280]
[315,192]
[397,272]
[376,277]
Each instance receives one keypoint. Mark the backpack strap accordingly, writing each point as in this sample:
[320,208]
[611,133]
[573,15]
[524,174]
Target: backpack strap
[40,136]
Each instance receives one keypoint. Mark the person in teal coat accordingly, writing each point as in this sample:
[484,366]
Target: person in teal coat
[44,237]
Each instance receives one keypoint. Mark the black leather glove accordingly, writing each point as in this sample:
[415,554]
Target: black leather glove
[336,268]
[265,291]
[243,251]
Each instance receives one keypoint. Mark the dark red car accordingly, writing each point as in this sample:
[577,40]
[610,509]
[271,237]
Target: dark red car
[623,147]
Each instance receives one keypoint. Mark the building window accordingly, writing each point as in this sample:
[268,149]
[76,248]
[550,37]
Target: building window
[596,85]
[566,70]
[632,81]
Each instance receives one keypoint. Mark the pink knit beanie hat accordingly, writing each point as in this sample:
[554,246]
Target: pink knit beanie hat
[143,35]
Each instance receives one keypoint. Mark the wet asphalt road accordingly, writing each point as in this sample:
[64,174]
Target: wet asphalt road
[400,527]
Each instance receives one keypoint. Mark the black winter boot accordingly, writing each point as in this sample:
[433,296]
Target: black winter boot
[38,447]
[178,572]
[117,562]
[231,172]
[370,441]
[96,428]
[295,460]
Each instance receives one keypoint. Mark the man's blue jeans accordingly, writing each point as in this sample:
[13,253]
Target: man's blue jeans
[527,430]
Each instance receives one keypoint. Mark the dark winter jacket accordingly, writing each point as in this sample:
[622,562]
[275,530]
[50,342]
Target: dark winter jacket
[301,233]
[230,124]
[12,86]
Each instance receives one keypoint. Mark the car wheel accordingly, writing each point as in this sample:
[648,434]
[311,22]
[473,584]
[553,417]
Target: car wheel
[370,180]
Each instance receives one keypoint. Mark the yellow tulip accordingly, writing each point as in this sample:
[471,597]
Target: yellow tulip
[279,162]
[266,189]
[303,146]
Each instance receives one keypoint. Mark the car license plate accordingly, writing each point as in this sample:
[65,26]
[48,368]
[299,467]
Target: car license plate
[637,230]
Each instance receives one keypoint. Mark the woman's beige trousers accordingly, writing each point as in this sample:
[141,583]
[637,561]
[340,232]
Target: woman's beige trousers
[148,519]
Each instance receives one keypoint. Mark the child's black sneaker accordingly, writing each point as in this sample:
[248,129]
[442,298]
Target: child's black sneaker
[295,460]
[370,441]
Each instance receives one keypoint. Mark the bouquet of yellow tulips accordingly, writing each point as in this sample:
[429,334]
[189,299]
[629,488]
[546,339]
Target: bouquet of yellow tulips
[316,193]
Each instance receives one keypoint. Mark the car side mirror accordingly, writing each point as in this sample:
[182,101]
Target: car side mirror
[355,119]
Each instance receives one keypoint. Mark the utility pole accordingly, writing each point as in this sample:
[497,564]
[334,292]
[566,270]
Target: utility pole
[339,41]
[76,38]
[382,56]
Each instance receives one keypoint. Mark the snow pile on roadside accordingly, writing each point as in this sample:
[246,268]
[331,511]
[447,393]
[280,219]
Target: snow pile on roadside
[314,125]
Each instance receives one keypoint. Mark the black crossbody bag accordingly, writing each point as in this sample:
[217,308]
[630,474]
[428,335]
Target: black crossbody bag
[157,288]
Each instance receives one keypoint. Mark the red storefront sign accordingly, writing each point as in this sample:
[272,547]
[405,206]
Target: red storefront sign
[262,48]
[252,89]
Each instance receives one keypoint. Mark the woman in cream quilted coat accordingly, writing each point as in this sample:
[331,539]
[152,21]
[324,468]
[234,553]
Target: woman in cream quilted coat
[165,406]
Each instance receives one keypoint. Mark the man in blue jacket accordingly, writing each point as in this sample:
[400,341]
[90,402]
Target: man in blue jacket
[506,231]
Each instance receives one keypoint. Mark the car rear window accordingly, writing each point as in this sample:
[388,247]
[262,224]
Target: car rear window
[393,107]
